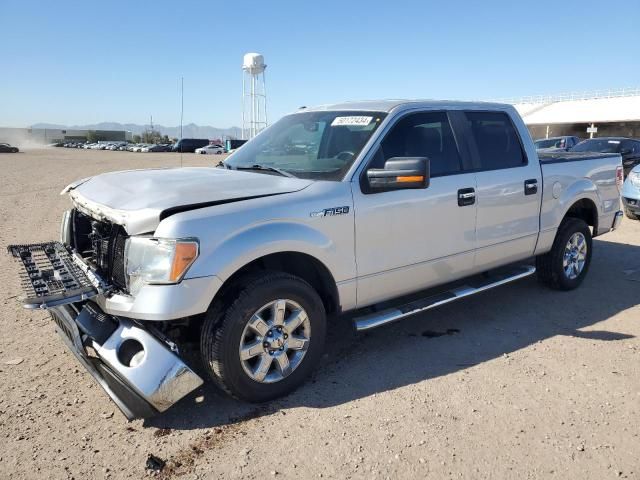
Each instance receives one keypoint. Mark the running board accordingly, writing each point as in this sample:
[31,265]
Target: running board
[376,319]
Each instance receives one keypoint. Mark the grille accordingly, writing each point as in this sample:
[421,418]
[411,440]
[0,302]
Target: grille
[48,270]
[101,244]
[118,275]
[49,276]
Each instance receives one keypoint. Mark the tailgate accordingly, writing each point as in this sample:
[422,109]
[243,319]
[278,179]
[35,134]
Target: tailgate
[50,276]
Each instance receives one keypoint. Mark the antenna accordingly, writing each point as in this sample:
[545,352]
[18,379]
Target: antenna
[254,96]
[181,113]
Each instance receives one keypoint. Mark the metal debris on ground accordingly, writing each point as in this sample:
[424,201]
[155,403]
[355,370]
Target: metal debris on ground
[154,463]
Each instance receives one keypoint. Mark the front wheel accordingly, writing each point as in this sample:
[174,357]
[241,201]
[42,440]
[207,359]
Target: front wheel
[566,265]
[267,340]
[630,214]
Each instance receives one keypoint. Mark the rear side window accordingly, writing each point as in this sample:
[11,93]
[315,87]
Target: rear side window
[496,139]
[422,135]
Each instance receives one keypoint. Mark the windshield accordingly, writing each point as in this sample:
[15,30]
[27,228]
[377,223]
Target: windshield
[551,143]
[313,145]
[602,146]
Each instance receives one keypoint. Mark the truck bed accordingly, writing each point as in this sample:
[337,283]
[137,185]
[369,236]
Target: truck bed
[568,177]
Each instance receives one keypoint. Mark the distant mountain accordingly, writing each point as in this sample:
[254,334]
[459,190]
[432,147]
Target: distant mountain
[188,131]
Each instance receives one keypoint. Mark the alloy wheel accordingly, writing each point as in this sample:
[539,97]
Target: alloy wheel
[274,341]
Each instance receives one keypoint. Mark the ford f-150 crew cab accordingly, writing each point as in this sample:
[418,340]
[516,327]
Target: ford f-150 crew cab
[382,209]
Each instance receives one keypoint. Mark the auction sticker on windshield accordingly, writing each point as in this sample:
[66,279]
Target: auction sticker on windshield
[351,121]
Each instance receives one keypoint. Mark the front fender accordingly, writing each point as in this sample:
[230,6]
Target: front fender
[255,242]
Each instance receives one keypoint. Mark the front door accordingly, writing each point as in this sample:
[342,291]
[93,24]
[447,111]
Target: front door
[408,240]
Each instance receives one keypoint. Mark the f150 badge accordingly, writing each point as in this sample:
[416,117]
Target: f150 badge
[330,212]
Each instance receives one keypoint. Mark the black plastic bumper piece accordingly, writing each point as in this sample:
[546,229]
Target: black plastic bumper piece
[49,276]
[96,324]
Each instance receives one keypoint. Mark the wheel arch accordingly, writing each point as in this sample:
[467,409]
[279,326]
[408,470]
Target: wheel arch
[300,264]
[584,209]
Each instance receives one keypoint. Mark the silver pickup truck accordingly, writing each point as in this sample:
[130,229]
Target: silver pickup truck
[381,209]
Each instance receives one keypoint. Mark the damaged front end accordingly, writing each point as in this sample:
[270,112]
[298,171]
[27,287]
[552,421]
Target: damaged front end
[137,367]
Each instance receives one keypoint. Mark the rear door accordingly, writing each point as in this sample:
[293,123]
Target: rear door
[509,189]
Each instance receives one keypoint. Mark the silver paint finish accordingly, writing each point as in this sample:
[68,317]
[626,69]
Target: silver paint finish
[136,198]
[389,244]
[407,240]
[65,228]
[376,319]
[163,302]
[593,180]
[238,233]
[160,377]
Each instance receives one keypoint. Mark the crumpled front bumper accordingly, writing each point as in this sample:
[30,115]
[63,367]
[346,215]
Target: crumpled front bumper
[136,369]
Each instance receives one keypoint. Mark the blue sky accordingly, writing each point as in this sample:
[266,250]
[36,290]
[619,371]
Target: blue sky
[77,62]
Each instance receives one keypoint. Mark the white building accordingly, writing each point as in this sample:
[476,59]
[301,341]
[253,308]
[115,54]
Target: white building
[44,136]
[612,113]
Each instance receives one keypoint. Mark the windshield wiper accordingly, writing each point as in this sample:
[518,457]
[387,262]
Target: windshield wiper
[268,168]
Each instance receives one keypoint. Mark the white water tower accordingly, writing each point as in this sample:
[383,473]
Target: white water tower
[254,95]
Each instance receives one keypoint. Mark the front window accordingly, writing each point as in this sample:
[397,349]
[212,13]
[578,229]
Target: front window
[313,145]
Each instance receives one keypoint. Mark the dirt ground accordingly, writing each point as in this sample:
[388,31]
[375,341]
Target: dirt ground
[521,382]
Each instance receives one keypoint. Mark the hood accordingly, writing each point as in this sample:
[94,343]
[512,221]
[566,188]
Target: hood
[139,199]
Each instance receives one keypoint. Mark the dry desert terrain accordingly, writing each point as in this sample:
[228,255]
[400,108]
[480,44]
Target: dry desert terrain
[520,382]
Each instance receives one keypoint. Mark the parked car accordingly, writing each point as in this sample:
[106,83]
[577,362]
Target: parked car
[251,257]
[231,145]
[210,149]
[631,194]
[629,148]
[189,144]
[139,147]
[556,143]
[6,148]
[157,148]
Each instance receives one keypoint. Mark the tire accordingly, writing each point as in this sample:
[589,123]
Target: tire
[551,267]
[226,330]
[631,215]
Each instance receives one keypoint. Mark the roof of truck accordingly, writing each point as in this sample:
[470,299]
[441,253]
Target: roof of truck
[388,105]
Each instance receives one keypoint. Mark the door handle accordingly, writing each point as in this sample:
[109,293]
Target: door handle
[531,186]
[466,196]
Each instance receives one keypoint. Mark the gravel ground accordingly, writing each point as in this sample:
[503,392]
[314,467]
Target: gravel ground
[522,382]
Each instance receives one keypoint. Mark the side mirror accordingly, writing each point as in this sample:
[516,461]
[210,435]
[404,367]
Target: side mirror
[625,151]
[400,173]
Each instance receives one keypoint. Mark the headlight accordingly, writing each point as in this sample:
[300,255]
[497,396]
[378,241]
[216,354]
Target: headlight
[158,260]
[634,178]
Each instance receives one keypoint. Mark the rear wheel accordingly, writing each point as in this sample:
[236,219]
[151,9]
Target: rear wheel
[566,265]
[264,342]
